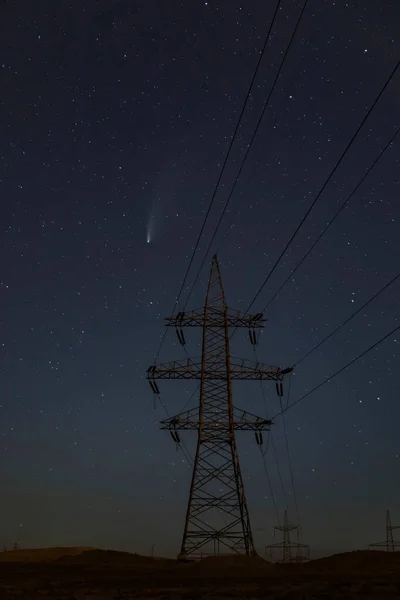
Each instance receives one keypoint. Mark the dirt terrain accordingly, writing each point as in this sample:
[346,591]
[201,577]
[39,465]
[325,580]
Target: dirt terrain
[91,574]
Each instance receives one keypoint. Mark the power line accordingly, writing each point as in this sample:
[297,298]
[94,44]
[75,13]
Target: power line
[348,319]
[186,452]
[287,451]
[163,405]
[247,152]
[294,492]
[317,387]
[334,218]
[220,175]
[289,457]
[284,494]
[190,398]
[270,485]
[325,184]
[271,439]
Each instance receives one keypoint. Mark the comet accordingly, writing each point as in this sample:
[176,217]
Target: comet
[151,223]
[150,229]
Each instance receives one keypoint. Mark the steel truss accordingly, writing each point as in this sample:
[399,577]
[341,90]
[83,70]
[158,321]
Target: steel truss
[390,544]
[217,488]
[287,546]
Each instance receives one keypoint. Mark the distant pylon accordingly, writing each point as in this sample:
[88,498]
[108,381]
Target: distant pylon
[287,545]
[217,516]
[390,544]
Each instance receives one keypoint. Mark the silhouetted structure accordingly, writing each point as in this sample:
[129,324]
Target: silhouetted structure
[286,546]
[390,544]
[217,512]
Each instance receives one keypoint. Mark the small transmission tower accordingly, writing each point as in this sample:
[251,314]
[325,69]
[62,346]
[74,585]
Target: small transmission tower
[217,512]
[390,544]
[287,545]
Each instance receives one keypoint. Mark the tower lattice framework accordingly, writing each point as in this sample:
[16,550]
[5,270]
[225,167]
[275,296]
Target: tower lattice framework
[390,544]
[217,517]
[287,546]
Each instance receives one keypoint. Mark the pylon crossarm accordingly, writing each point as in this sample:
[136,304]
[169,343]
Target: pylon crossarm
[216,318]
[191,368]
[189,420]
[262,425]
[377,544]
[245,421]
[384,544]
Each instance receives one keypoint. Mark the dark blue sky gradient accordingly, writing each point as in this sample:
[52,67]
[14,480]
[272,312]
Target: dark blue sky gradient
[116,117]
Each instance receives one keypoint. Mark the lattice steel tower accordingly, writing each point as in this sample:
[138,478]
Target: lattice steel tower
[217,513]
[286,546]
[390,544]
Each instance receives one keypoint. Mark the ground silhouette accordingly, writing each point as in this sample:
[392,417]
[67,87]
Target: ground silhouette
[83,573]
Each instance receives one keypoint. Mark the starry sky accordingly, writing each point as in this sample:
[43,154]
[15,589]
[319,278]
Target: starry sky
[116,117]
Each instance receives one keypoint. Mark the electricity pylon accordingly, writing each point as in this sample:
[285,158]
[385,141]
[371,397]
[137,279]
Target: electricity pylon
[217,488]
[287,545]
[390,544]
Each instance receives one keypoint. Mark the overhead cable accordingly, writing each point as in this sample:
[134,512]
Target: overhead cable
[346,366]
[220,174]
[290,458]
[338,163]
[271,490]
[271,439]
[391,282]
[340,209]
[246,153]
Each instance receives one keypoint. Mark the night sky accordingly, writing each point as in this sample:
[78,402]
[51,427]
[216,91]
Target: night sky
[116,117]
